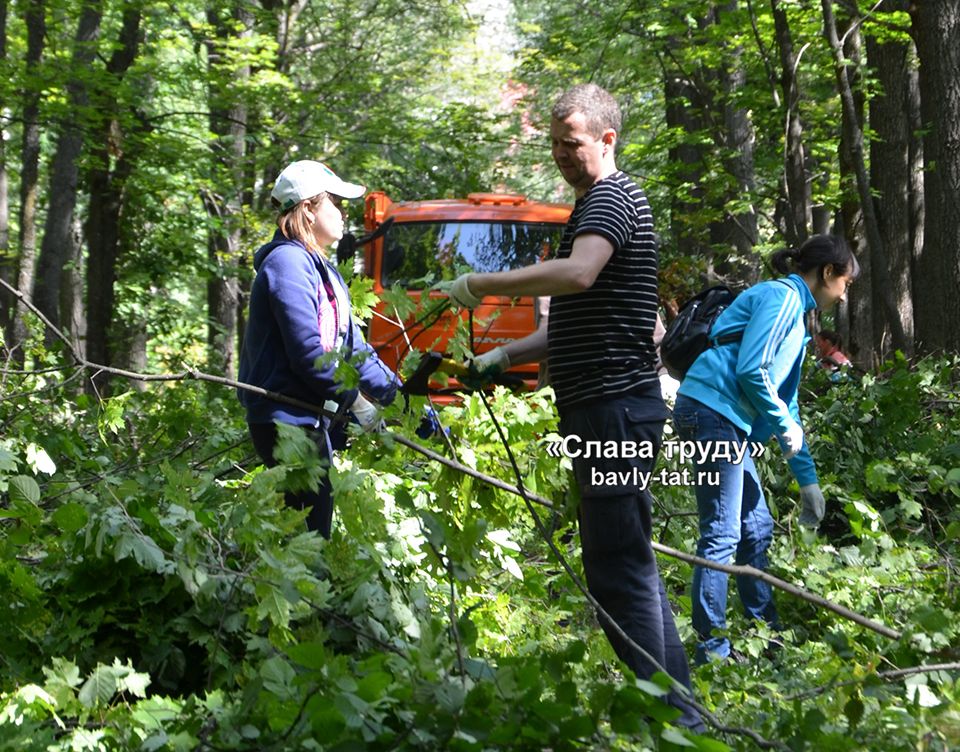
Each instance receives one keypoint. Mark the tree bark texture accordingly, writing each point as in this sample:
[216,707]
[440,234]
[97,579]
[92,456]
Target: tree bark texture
[892,150]
[72,312]
[795,205]
[6,265]
[936,28]
[737,230]
[854,320]
[228,122]
[105,186]
[684,112]
[30,168]
[56,246]
[854,136]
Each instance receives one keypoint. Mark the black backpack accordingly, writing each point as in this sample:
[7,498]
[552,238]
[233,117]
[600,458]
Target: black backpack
[689,333]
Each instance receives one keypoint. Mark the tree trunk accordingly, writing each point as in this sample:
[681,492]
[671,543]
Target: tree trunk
[890,175]
[794,210]
[738,231]
[684,111]
[854,136]
[228,122]
[29,171]
[56,246]
[73,317]
[105,187]
[133,340]
[854,321]
[245,256]
[6,267]
[937,272]
[917,207]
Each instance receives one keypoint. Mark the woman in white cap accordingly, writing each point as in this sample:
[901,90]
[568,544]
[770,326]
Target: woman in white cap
[300,312]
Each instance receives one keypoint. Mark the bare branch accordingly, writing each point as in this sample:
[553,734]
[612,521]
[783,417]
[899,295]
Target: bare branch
[794,590]
[885,676]
[496,483]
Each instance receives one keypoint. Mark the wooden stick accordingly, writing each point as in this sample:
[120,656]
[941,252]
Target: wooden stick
[490,480]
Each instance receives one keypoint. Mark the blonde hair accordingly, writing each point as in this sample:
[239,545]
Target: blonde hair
[294,224]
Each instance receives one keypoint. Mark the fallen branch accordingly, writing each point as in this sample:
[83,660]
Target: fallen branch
[770,579]
[496,483]
[885,676]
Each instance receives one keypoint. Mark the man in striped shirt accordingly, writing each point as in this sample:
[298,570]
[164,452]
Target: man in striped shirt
[602,359]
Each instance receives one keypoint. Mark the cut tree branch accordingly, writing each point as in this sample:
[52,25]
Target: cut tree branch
[496,483]
[887,676]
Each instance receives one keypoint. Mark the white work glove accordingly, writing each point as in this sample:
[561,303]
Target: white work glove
[494,361]
[461,294]
[483,369]
[792,440]
[367,415]
[668,388]
[812,503]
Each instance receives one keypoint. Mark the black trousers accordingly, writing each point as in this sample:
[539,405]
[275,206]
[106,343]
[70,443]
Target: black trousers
[319,502]
[615,535]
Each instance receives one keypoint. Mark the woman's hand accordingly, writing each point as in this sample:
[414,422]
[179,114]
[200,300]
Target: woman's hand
[367,415]
[792,441]
[813,505]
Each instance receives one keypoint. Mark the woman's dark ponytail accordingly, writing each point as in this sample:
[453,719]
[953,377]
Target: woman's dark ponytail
[815,253]
[784,260]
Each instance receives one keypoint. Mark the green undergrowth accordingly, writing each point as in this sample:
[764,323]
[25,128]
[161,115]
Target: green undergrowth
[159,596]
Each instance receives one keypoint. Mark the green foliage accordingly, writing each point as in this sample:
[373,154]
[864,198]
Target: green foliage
[159,595]
[896,437]
[159,599]
[162,598]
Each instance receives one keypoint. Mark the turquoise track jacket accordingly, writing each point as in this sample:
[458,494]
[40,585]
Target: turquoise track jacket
[753,382]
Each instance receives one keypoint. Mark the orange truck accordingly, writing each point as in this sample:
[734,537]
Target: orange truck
[413,241]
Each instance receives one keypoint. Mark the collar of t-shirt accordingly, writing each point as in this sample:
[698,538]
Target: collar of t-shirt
[612,176]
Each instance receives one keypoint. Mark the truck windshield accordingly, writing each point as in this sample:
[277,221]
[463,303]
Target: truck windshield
[414,250]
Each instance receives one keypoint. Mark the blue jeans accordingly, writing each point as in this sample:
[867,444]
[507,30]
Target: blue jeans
[615,534]
[735,525]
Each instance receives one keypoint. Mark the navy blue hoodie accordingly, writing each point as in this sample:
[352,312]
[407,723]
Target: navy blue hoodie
[294,320]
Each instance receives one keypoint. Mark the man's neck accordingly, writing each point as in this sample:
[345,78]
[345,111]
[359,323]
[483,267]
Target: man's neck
[607,171]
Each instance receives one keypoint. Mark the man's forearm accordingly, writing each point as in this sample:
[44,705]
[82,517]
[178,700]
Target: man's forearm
[554,277]
[529,349]
[565,276]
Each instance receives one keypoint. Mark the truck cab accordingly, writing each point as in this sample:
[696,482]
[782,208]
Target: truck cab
[432,240]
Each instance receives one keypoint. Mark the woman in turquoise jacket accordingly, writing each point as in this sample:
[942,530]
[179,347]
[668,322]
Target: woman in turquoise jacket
[746,390]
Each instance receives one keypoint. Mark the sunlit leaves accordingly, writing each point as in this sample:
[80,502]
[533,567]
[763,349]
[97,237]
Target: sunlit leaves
[435,616]
[106,681]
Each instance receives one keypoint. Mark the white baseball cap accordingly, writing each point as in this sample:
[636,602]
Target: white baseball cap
[305,179]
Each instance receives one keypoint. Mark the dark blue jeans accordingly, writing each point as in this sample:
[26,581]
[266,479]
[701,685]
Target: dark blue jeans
[735,525]
[319,502]
[615,534]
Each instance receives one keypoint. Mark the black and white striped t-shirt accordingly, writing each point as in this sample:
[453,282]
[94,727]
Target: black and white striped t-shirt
[601,340]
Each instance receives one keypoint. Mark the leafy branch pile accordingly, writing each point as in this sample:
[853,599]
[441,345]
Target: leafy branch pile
[160,596]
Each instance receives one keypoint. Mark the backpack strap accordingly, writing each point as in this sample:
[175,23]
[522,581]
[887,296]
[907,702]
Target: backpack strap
[726,339]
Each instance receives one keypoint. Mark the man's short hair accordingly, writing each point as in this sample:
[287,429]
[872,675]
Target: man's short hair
[598,107]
